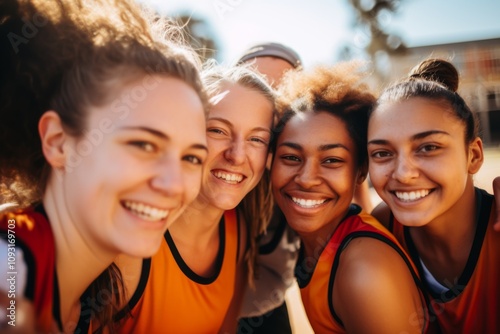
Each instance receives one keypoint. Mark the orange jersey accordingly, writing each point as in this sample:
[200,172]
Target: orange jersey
[472,305]
[316,288]
[30,231]
[173,299]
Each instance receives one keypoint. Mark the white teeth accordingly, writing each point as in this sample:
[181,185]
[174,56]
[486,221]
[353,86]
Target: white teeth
[229,178]
[307,203]
[146,212]
[412,195]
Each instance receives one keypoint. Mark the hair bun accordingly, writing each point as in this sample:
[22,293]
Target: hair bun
[437,70]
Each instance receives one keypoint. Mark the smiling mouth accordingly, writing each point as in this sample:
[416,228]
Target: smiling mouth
[308,203]
[228,177]
[410,196]
[145,212]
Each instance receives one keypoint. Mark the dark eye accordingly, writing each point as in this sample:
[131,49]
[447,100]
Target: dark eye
[429,148]
[216,131]
[332,160]
[380,154]
[144,145]
[193,159]
[290,158]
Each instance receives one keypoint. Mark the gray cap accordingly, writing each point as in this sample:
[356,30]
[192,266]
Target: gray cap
[272,50]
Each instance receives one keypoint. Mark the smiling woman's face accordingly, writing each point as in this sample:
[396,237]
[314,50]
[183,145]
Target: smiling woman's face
[314,172]
[238,135]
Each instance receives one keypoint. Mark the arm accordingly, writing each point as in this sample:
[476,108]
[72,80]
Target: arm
[374,291]
[496,192]
[24,317]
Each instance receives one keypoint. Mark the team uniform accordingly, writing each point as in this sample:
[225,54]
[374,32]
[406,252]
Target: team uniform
[316,287]
[30,233]
[472,305]
[171,298]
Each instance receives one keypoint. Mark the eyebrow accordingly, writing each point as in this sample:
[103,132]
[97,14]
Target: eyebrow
[322,148]
[161,135]
[417,136]
[225,121]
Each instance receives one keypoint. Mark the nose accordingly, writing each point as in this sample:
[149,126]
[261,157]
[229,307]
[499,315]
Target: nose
[308,175]
[168,178]
[236,152]
[405,169]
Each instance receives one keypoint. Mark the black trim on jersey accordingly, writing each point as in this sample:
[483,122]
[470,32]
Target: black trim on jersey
[218,261]
[238,235]
[301,268]
[278,234]
[141,286]
[56,303]
[483,205]
[344,244]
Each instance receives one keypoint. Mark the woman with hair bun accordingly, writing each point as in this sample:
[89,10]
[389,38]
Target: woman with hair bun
[424,149]
[353,275]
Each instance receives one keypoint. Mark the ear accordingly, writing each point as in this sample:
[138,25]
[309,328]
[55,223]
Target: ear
[52,137]
[476,155]
[362,174]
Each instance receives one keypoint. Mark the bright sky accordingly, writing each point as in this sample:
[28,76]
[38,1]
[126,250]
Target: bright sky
[317,29]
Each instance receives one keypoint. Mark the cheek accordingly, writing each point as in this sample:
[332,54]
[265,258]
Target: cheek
[192,183]
[259,159]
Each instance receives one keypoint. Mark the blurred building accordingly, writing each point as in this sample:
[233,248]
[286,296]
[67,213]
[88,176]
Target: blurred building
[478,63]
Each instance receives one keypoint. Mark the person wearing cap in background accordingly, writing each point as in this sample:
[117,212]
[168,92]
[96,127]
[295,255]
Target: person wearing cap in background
[264,307]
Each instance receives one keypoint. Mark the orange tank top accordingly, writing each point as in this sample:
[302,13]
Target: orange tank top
[316,287]
[472,305]
[173,299]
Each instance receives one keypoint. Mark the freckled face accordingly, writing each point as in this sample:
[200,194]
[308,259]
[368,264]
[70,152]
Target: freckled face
[314,172]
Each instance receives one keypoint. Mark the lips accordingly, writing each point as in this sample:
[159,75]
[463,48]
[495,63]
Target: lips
[231,178]
[145,212]
[410,196]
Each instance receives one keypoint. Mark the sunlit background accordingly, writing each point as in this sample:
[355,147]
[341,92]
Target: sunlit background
[321,30]
[391,35]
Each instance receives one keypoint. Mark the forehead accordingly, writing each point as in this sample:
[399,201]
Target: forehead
[157,102]
[315,129]
[412,116]
[239,104]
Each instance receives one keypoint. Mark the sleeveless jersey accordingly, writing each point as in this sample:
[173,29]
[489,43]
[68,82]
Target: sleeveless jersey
[30,231]
[174,299]
[316,288]
[472,305]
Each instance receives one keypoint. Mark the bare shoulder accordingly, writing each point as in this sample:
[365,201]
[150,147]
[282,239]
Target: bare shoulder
[373,282]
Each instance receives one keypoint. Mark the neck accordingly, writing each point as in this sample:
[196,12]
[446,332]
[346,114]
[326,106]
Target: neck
[78,262]
[315,242]
[445,243]
[198,219]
